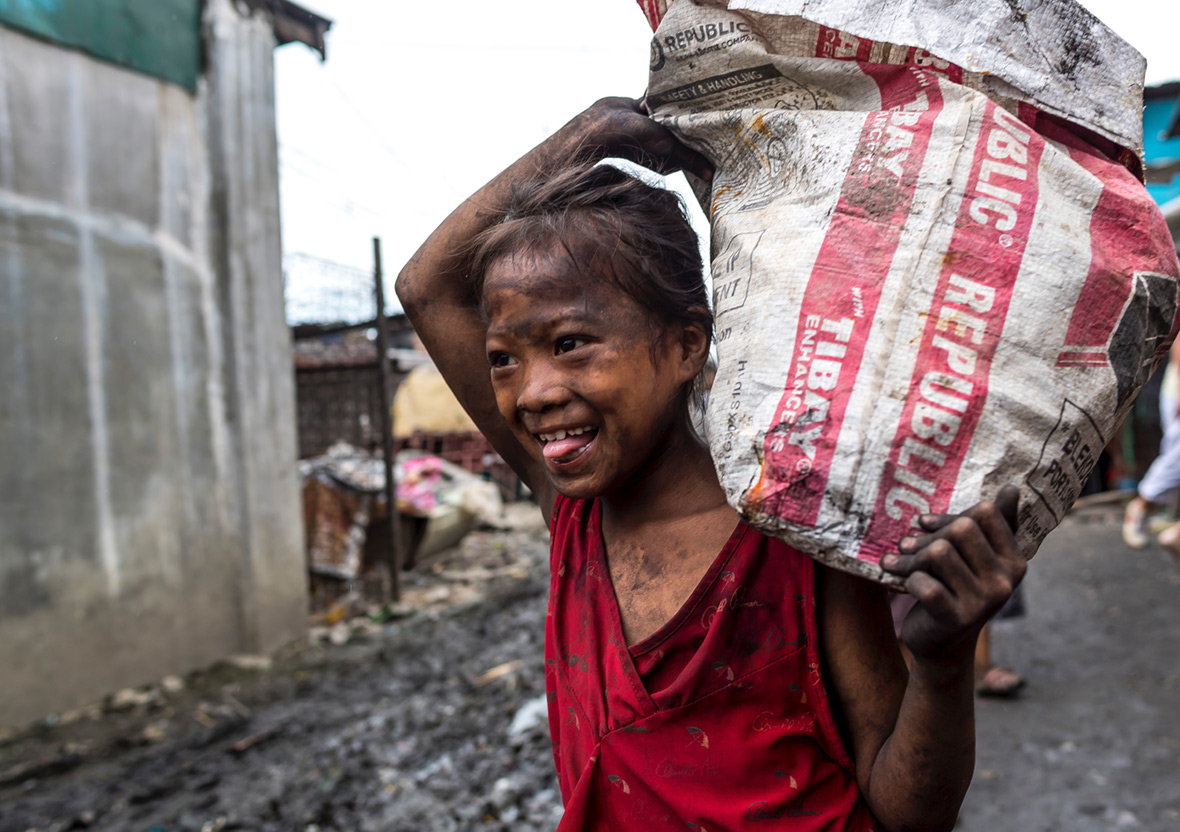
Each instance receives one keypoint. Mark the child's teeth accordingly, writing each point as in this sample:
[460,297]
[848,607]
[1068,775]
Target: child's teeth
[562,434]
[566,445]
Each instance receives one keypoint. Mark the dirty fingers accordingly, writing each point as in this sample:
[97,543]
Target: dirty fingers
[961,572]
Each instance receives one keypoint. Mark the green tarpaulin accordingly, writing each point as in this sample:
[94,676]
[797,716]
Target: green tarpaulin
[161,38]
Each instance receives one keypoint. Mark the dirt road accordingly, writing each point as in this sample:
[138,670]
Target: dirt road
[398,730]
[1093,742]
[403,727]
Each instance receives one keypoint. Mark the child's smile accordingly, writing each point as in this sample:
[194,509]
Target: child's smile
[565,446]
[580,370]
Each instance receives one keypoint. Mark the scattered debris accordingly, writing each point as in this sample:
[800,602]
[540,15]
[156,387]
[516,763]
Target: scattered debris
[531,714]
[499,671]
[129,698]
[438,503]
[155,732]
[386,730]
[244,662]
[246,743]
[69,758]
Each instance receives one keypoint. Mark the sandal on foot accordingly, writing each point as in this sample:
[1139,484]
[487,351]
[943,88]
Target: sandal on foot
[1135,532]
[1170,539]
[999,682]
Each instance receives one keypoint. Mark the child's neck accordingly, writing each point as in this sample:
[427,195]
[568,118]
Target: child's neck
[677,483]
[661,532]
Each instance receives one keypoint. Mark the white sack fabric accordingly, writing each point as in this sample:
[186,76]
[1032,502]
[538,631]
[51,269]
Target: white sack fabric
[935,271]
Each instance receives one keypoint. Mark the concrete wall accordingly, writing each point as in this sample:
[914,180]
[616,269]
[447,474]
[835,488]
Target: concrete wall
[149,512]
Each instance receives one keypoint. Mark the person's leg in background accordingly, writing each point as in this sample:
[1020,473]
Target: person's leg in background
[1162,477]
[995,679]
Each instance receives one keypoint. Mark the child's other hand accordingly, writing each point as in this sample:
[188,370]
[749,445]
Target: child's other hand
[962,572]
[622,127]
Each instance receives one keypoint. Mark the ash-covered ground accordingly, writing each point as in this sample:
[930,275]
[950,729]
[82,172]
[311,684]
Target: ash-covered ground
[400,728]
[408,726]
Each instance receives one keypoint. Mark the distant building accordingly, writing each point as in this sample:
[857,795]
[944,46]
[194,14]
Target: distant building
[1161,147]
[150,520]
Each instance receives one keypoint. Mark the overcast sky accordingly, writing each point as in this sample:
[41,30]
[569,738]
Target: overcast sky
[415,109]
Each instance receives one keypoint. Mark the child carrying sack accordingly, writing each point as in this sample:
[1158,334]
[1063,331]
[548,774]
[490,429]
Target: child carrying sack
[935,270]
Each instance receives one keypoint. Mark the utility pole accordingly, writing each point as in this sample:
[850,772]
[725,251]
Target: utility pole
[385,383]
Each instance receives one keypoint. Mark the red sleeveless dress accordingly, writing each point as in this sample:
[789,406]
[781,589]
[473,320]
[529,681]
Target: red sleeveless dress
[717,722]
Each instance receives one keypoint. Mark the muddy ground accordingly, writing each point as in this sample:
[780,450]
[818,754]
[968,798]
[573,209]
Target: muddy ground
[396,729]
[399,725]
[1093,742]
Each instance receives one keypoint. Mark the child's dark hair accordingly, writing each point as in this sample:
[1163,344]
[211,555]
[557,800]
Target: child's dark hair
[640,233]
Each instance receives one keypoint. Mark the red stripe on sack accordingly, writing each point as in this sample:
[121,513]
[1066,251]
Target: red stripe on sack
[1074,358]
[1027,113]
[651,10]
[843,291]
[1127,235]
[841,46]
[926,60]
[950,380]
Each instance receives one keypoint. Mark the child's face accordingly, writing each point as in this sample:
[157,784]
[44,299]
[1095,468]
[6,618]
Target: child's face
[576,374]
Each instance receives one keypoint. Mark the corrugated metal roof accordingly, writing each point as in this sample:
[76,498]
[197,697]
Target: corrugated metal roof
[295,24]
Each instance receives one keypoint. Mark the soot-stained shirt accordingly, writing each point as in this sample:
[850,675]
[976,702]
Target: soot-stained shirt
[717,722]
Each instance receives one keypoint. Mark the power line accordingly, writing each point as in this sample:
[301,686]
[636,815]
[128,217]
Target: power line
[365,120]
[333,266]
[439,173]
[453,47]
[348,205]
[285,147]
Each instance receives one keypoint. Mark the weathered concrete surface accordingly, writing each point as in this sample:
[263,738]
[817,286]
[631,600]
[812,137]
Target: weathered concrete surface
[1093,742]
[248,260]
[149,514]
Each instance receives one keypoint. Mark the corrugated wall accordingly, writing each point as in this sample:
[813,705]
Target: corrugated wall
[149,513]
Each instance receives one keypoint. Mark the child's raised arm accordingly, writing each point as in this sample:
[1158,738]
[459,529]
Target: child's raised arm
[435,288]
[913,738]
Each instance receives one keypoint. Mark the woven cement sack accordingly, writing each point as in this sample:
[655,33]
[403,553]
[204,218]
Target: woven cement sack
[935,270]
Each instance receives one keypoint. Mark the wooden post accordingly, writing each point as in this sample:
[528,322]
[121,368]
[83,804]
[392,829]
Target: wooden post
[385,382]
